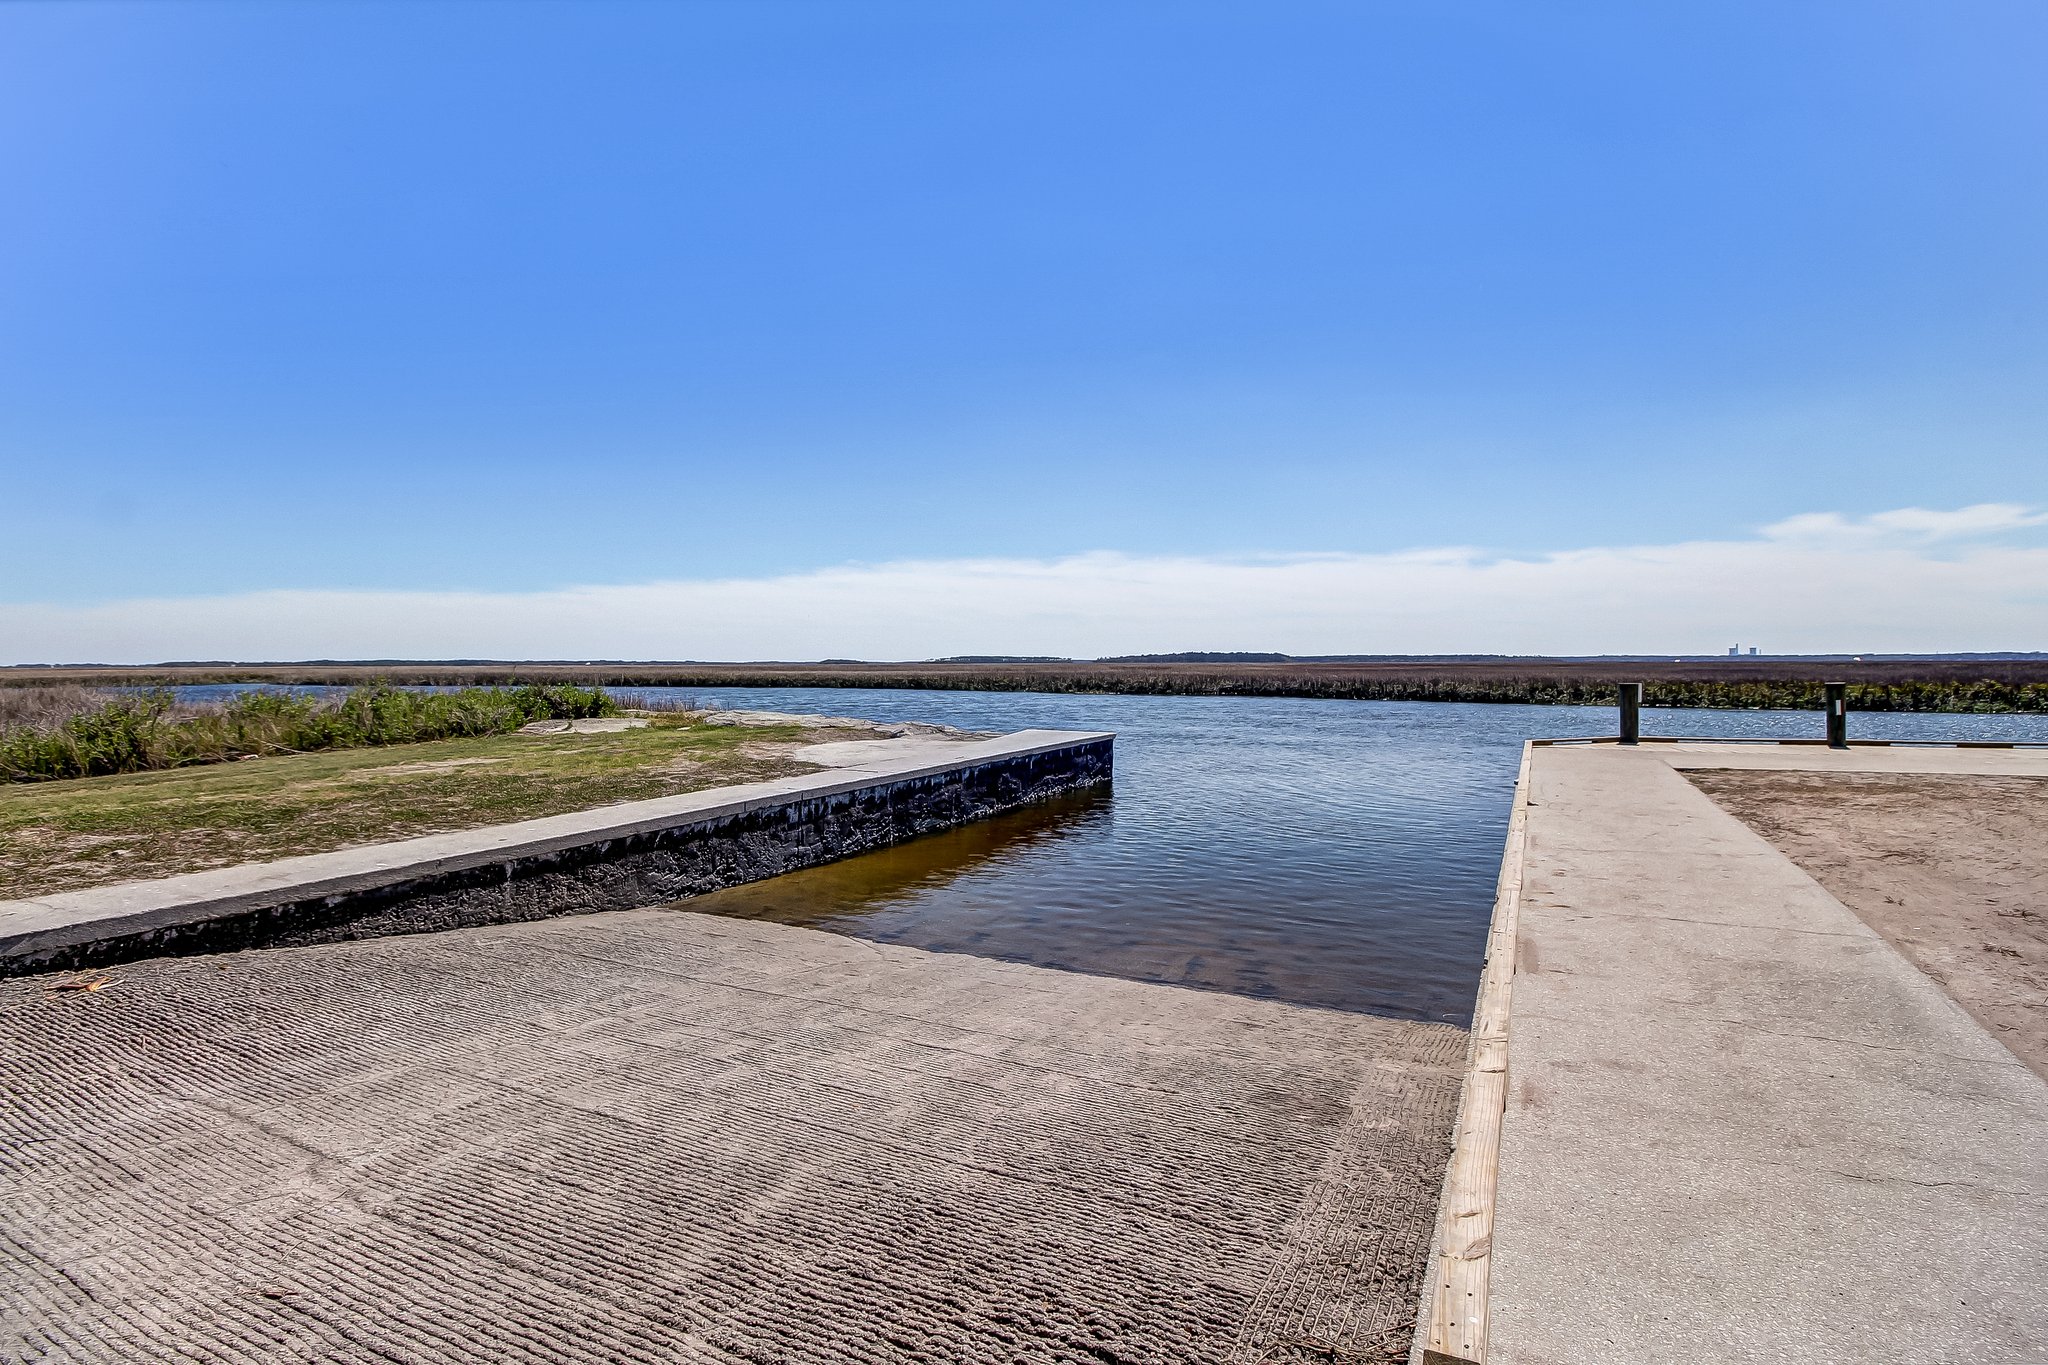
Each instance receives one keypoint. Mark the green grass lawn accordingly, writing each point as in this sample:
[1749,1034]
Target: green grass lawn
[61,836]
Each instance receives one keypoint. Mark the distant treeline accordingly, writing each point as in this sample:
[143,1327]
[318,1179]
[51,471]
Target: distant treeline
[1785,695]
[1747,684]
[1984,695]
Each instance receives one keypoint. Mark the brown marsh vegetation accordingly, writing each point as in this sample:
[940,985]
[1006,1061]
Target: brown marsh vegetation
[1878,685]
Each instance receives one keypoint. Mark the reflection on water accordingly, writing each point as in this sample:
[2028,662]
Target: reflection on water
[874,886]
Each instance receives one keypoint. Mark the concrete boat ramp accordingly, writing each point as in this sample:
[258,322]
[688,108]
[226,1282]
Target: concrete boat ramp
[1713,1115]
[648,1135]
[656,1136]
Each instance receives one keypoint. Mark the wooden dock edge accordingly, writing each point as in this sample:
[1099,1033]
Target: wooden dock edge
[1454,1308]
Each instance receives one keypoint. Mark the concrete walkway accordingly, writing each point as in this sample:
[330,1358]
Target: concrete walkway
[1739,1125]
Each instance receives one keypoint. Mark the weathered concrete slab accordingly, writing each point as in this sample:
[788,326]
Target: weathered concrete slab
[655,1136]
[1739,1125]
[612,857]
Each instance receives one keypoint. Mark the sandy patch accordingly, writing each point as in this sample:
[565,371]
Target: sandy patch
[1953,871]
[593,725]
[438,766]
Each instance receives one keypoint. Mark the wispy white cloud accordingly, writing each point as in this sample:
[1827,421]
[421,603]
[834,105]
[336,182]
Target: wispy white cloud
[1907,580]
[1910,523]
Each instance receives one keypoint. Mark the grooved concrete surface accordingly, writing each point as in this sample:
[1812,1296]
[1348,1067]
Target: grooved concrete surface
[657,1136]
[1740,1126]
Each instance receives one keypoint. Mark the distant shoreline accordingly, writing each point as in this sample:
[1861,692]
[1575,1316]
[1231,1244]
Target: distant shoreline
[1750,682]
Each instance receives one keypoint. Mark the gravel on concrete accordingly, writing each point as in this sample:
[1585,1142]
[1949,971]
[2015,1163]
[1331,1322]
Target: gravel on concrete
[1951,869]
[658,1136]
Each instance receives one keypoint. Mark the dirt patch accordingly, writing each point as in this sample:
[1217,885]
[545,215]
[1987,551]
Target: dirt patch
[1953,871]
[589,725]
[438,766]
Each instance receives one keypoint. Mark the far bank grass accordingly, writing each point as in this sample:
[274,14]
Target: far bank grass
[66,835]
[1960,685]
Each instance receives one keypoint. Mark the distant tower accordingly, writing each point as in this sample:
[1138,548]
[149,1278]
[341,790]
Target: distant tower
[1752,649]
[1734,650]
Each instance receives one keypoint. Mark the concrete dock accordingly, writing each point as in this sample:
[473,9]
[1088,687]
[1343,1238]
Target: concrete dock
[1732,1122]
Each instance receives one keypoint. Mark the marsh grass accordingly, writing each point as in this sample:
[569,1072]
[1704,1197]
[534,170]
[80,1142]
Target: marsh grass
[48,706]
[1882,689]
[1968,685]
[70,731]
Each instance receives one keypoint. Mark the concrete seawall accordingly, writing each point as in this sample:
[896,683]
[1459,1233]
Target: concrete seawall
[611,858]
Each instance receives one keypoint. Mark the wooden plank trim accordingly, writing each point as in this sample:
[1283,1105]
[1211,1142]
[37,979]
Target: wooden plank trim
[1455,1306]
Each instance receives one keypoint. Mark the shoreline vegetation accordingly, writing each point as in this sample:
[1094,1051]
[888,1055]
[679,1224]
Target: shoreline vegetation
[68,730]
[1945,685]
[65,836]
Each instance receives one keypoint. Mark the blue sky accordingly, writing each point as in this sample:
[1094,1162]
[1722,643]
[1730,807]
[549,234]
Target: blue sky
[510,299]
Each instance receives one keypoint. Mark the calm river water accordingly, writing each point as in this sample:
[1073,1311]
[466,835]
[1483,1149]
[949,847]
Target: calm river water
[1330,853]
[1334,853]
